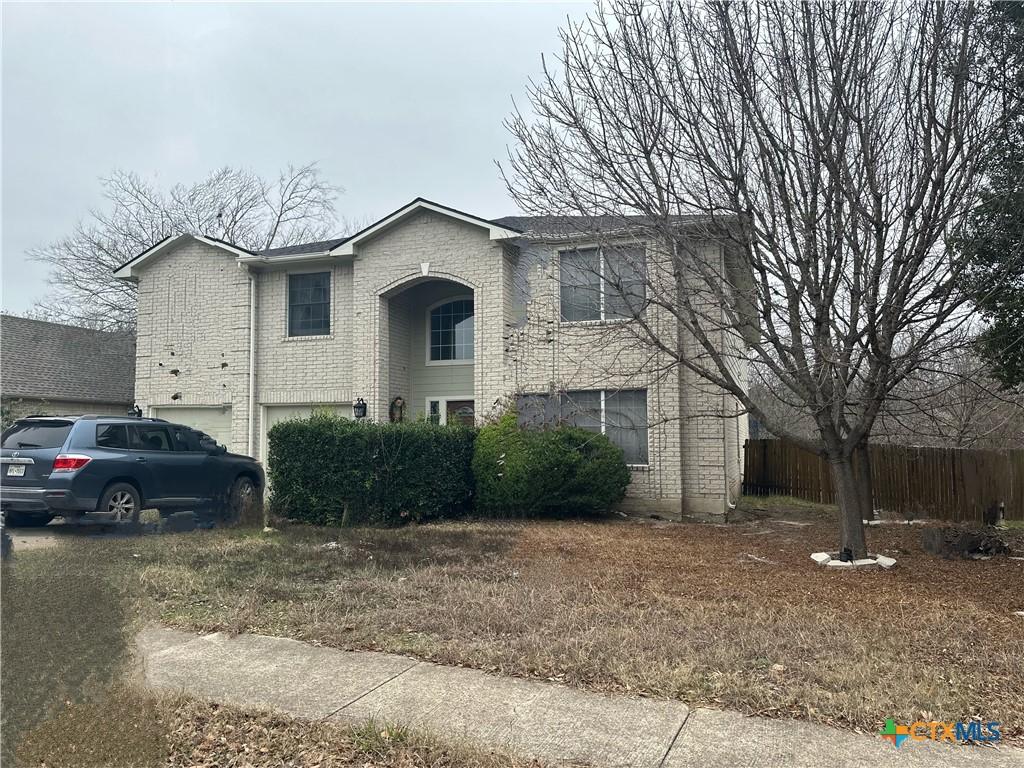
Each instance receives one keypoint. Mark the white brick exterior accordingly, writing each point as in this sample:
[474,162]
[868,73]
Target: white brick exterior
[194,309]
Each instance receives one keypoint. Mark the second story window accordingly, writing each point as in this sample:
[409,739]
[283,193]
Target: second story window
[602,283]
[451,332]
[309,304]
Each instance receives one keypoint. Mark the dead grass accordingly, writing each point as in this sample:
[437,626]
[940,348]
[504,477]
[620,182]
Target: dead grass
[671,610]
[129,729]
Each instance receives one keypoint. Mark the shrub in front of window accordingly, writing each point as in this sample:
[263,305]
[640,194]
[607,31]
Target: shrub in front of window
[327,470]
[529,473]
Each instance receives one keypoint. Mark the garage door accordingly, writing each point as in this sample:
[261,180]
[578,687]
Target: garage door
[216,421]
[275,413]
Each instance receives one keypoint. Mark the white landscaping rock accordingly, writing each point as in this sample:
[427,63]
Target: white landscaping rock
[885,562]
[821,558]
[839,564]
[868,562]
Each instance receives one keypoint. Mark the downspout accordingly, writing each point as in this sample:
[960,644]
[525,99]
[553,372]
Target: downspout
[252,363]
[729,504]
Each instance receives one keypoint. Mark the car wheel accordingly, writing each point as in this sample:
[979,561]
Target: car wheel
[122,502]
[243,501]
[22,520]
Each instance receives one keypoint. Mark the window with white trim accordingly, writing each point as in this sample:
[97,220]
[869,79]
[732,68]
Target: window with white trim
[602,283]
[450,336]
[619,414]
[309,304]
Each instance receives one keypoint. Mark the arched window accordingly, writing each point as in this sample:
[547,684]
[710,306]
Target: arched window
[450,338]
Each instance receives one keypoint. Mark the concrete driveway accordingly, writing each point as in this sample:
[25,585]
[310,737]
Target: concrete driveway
[58,531]
[52,535]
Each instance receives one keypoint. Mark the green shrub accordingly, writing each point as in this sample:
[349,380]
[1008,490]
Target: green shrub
[526,473]
[327,470]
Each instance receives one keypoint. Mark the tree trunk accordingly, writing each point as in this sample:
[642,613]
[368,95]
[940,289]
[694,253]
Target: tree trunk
[851,508]
[865,482]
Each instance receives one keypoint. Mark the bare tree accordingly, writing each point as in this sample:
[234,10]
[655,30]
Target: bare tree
[830,149]
[950,402]
[230,204]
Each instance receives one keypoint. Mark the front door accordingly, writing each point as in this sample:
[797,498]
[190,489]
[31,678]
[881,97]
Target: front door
[460,412]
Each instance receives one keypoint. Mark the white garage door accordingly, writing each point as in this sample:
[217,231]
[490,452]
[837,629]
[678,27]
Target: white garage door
[274,413]
[216,421]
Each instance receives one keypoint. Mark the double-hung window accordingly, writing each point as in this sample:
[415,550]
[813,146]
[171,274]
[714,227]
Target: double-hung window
[309,304]
[619,414]
[602,283]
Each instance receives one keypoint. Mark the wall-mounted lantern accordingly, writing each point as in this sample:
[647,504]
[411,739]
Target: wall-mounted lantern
[359,409]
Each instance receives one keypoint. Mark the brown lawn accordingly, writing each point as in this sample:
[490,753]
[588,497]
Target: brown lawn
[660,609]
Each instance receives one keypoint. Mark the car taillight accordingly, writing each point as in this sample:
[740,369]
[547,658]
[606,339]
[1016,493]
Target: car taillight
[69,462]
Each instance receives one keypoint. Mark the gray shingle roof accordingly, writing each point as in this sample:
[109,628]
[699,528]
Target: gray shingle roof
[567,226]
[294,250]
[50,361]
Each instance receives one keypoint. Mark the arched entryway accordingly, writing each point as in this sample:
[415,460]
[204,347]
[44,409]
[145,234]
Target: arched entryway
[429,354]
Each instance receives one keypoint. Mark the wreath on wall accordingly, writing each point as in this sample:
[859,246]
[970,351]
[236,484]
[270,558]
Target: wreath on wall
[396,411]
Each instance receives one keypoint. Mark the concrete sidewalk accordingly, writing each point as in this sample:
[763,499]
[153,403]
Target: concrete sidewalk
[551,723]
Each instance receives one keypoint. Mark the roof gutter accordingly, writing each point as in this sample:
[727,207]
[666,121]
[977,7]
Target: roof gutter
[284,259]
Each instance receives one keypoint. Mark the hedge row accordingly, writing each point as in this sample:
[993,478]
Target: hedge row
[327,470]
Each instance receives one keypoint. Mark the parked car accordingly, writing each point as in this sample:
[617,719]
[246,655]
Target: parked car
[112,467]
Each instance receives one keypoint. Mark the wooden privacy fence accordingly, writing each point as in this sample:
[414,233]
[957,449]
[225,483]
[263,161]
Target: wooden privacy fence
[946,483]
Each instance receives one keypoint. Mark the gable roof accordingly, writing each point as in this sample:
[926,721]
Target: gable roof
[50,361]
[505,228]
[127,270]
[495,230]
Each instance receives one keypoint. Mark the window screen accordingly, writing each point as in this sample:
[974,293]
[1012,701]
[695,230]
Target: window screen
[309,304]
[624,287]
[625,419]
[622,417]
[582,409]
[581,285]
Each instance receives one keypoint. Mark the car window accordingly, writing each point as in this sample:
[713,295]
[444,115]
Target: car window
[150,438]
[186,439]
[111,436]
[36,434]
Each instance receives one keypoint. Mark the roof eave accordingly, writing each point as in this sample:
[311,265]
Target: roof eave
[127,270]
[494,231]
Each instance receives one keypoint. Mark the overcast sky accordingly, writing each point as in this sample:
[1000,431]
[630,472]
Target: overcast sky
[394,101]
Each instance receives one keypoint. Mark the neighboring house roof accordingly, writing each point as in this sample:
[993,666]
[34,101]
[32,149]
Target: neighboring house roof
[50,361]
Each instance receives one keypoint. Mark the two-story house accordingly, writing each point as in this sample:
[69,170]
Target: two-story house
[454,314]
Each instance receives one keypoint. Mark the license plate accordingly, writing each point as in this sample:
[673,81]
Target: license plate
[16,470]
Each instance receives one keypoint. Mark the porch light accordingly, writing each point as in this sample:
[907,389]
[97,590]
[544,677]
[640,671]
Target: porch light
[359,409]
